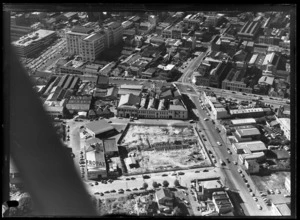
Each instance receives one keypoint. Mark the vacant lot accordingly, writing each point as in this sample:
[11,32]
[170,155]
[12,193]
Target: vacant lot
[273,181]
[162,160]
[147,136]
[163,147]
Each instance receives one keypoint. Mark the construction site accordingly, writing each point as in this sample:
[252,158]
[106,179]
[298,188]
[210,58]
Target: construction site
[162,147]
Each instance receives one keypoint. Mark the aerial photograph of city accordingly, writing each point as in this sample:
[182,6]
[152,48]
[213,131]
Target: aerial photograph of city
[157,113]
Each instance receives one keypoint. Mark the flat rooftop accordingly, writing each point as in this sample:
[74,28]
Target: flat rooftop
[33,37]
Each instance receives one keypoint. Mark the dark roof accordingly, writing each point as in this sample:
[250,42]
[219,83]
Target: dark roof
[99,127]
[82,30]
[102,79]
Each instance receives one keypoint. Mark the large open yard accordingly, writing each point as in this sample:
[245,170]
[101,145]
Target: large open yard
[273,181]
[162,147]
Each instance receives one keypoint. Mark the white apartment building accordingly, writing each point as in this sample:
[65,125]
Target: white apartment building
[285,125]
[74,38]
[92,46]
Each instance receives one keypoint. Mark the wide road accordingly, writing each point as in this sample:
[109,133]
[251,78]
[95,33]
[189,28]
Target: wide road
[191,66]
[232,177]
[276,102]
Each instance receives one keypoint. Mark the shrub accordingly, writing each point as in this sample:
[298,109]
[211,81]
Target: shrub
[176,183]
[165,183]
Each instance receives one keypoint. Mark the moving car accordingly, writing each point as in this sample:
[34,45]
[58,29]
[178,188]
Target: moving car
[255,199]
[219,143]
[205,119]
[259,207]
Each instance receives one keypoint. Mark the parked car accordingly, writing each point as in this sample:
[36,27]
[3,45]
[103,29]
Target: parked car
[132,178]
[96,183]
[101,194]
[135,189]
[165,174]
[128,190]
[219,143]
[127,178]
[106,192]
[259,207]
[197,171]
[205,170]
[234,162]
[113,191]
[240,171]
[97,193]
[205,119]
[181,173]
[255,199]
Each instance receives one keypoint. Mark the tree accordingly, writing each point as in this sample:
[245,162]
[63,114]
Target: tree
[165,183]
[154,184]
[176,183]
[145,185]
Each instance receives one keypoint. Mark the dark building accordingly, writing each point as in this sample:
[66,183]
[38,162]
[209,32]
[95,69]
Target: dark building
[102,82]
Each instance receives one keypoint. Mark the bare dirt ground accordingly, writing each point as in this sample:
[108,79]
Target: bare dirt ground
[181,158]
[273,181]
[139,139]
[143,135]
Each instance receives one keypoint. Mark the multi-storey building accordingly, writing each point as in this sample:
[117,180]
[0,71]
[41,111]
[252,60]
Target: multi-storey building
[114,33]
[32,43]
[235,81]
[74,38]
[92,46]
[151,107]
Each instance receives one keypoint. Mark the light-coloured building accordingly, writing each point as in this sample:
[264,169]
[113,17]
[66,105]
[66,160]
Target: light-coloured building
[244,121]
[149,107]
[92,46]
[287,183]
[252,166]
[95,159]
[31,43]
[74,38]
[249,147]
[222,202]
[285,125]
[220,113]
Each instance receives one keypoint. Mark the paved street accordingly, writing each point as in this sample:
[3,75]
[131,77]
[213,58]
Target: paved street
[192,65]
[232,177]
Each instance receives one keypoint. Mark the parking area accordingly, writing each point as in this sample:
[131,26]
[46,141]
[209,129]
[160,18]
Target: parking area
[275,181]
